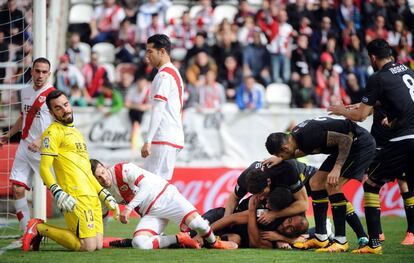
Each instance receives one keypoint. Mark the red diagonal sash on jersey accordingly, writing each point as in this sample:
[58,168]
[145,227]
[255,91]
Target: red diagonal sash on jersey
[124,190]
[31,114]
[174,74]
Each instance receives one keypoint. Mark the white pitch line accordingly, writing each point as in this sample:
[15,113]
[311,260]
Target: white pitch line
[12,245]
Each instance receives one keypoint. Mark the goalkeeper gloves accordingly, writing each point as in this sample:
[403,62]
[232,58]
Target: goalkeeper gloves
[110,202]
[65,202]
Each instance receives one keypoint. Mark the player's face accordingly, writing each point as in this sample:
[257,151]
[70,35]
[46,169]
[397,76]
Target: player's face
[153,55]
[40,74]
[287,152]
[61,109]
[288,227]
[102,175]
[263,195]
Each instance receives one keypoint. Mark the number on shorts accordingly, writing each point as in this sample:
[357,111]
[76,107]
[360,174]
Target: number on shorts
[409,82]
[90,218]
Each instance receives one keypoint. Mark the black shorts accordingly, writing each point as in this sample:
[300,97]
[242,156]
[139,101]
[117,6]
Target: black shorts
[393,161]
[135,115]
[360,156]
[308,173]
[398,176]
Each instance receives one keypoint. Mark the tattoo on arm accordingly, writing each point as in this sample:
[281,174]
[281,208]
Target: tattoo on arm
[344,143]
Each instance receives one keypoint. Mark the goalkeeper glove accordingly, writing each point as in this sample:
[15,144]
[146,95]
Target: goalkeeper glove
[110,202]
[65,202]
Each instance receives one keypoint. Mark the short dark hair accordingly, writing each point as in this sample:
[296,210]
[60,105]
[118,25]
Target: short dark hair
[160,41]
[299,229]
[379,48]
[280,198]
[275,141]
[54,95]
[256,180]
[94,164]
[41,60]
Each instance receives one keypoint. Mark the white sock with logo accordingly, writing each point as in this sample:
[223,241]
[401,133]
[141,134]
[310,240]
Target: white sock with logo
[22,212]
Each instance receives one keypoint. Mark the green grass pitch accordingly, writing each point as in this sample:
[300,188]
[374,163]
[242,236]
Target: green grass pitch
[394,228]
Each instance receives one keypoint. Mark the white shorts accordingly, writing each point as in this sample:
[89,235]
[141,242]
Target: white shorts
[171,205]
[25,164]
[161,160]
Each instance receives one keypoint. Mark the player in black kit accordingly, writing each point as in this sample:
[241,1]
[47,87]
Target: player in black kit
[391,87]
[350,149]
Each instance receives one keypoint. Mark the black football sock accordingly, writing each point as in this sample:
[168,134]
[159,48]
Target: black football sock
[320,208]
[372,213]
[354,222]
[338,206]
[408,198]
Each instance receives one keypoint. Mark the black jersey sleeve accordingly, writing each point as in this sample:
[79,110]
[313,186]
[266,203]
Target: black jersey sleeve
[285,174]
[372,91]
[240,190]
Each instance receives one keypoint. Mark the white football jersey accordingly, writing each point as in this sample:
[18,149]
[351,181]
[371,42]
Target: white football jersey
[169,88]
[135,186]
[43,118]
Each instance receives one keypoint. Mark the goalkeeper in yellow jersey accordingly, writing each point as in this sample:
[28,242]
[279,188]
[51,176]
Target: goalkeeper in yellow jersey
[74,187]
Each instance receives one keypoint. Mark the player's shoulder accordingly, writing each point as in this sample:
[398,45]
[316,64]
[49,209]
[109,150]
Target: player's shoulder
[53,129]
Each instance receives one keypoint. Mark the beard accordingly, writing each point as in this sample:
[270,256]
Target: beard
[66,119]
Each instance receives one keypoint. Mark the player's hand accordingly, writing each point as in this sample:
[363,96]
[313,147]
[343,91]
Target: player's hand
[254,202]
[333,177]
[272,161]
[270,235]
[110,202]
[337,109]
[34,146]
[199,240]
[353,106]
[146,150]
[283,245]
[125,215]
[267,217]
[4,139]
[65,202]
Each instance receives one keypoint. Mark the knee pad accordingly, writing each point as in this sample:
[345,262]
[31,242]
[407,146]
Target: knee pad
[142,242]
[200,225]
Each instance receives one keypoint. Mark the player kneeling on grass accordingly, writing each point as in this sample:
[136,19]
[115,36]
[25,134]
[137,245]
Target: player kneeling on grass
[74,187]
[157,202]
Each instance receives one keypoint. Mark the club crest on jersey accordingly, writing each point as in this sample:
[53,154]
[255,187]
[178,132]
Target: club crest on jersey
[42,99]
[91,225]
[123,188]
[46,143]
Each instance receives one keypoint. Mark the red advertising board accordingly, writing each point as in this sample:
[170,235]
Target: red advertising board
[209,188]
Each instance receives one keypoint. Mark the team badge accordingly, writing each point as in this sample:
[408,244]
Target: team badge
[123,188]
[91,225]
[46,143]
[42,99]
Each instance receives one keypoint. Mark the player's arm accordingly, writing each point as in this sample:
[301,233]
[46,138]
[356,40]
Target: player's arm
[231,204]
[17,126]
[344,143]
[233,219]
[298,206]
[275,236]
[156,116]
[356,114]
[252,228]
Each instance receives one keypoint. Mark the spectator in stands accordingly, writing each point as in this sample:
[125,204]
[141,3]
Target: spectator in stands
[371,9]
[266,19]
[231,77]
[306,97]
[305,27]
[211,94]
[95,75]
[137,102]
[324,72]
[404,52]
[295,12]
[106,22]
[332,94]
[183,32]
[12,19]
[256,59]
[149,8]
[114,98]
[353,89]
[126,43]
[155,27]
[302,57]
[246,32]
[378,30]
[204,18]
[77,57]
[200,44]
[359,52]
[348,12]
[250,95]
[224,48]
[350,67]
[76,97]
[197,69]
[324,10]
[243,13]
[125,81]
[397,32]
[4,56]
[321,34]
[334,51]
[400,9]
[67,76]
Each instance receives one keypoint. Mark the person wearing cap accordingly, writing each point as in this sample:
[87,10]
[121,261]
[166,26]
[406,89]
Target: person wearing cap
[391,87]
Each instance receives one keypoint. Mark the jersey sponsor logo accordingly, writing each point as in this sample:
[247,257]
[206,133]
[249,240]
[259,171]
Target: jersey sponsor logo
[364,99]
[91,225]
[46,143]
